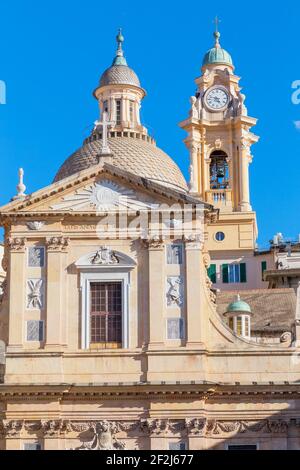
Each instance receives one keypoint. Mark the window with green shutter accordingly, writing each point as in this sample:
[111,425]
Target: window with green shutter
[225,273]
[212,273]
[263,269]
[234,273]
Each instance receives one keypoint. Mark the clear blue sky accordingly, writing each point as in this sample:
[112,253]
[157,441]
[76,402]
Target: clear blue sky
[53,53]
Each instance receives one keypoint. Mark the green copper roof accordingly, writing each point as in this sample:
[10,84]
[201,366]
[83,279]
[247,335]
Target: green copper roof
[217,55]
[119,59]
[238,306]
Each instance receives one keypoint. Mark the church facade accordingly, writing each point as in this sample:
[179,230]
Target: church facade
[113,335]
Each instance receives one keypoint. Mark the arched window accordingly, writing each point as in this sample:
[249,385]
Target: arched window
[219,173]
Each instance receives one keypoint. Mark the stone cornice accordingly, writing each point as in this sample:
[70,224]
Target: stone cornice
[170,390]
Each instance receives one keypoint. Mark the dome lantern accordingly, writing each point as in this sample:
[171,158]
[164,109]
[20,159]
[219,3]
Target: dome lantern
[119,93]
[238,315]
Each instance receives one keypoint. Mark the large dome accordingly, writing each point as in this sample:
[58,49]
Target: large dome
[133,154]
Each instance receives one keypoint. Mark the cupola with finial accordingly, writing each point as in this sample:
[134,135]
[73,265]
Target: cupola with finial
[217,55]
[238,315]
[119,93]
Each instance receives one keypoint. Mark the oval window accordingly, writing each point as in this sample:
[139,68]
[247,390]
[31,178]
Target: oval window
[220,236]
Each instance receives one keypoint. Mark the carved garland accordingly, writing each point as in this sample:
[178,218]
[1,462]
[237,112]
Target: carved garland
[103,432]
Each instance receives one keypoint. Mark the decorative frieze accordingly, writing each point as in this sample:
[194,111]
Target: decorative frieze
[57,243]
[158,426]
[11,428]
[103,433]
[196,426]
[52,427]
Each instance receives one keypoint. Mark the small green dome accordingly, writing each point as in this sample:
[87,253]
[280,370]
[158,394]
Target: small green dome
[217,55]
[238,306]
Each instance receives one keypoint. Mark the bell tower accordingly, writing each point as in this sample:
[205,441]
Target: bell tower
[219,141]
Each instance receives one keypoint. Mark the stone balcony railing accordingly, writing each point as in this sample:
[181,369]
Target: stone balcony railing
[220,198]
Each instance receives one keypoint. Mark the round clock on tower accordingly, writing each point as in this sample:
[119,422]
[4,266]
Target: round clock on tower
[216,98]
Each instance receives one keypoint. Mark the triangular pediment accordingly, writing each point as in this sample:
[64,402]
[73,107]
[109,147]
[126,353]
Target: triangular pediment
[103,188]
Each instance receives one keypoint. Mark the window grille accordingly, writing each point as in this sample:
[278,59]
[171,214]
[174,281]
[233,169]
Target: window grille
[106,312]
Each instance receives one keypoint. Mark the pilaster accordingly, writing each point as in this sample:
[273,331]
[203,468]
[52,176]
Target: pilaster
[193,256]
[56,252]
[244,178]
[156,266]
[16,276]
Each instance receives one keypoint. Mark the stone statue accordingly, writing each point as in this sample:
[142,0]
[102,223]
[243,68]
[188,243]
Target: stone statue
[192,185]
[194,110]
[103,437]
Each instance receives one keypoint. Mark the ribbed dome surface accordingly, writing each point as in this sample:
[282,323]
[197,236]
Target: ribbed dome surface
[119,75]
[135,155]
[217,55]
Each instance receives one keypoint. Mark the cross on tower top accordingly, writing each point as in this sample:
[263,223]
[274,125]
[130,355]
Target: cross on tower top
[217,21]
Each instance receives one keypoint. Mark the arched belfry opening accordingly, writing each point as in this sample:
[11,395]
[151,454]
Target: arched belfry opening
[219,172]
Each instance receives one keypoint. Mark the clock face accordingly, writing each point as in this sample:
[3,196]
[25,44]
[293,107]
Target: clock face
[217,98]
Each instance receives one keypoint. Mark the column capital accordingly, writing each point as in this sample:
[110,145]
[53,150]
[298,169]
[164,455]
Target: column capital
[17,245]
[55,244]
[194,241]
[154,243]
